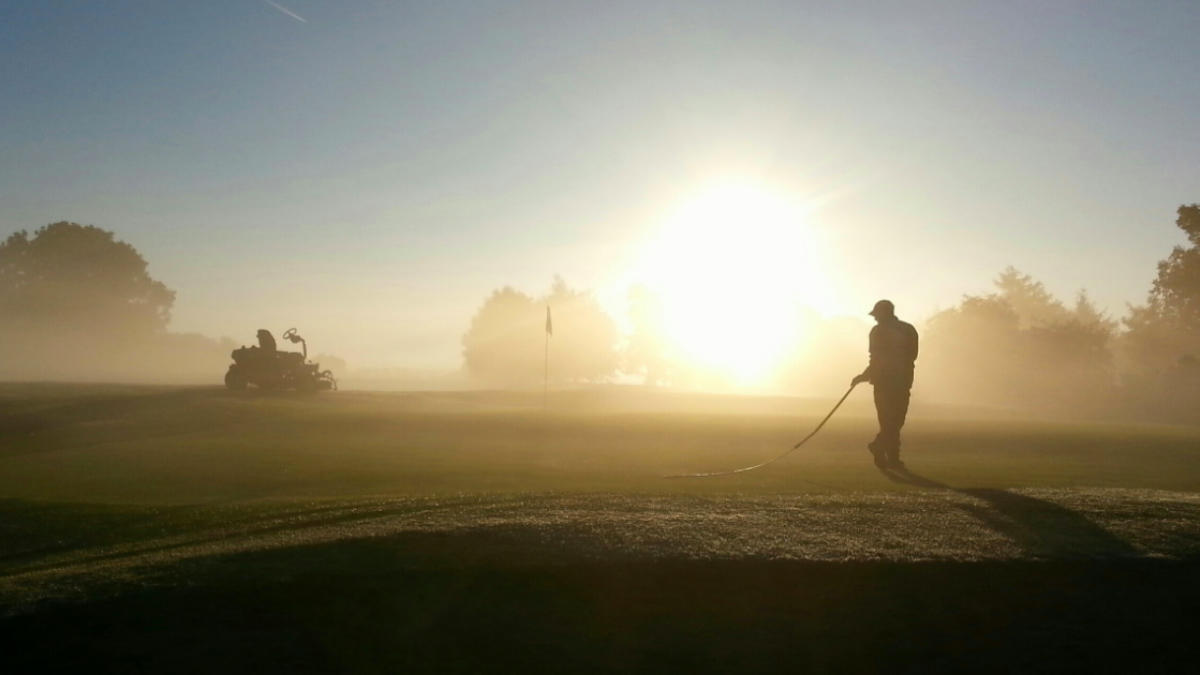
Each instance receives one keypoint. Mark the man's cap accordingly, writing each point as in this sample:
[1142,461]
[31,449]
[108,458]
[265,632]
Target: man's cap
[883,308]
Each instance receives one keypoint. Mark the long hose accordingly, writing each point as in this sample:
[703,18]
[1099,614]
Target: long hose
[773,459]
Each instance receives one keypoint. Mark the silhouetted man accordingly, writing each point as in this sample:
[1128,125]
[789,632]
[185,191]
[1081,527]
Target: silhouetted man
[893,345]
[266,341]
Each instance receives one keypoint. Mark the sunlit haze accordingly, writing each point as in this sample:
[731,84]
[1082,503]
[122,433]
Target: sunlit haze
[371,172]
[733,265]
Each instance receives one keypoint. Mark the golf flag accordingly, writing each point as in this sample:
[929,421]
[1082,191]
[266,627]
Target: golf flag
[549,323]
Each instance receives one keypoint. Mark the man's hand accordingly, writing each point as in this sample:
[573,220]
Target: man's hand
[858,379]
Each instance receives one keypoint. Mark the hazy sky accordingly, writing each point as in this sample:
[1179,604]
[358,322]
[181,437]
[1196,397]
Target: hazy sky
[369,171]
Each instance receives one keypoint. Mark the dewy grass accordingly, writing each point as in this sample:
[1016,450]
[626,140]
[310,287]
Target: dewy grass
[201,445]
[196,472]
[475,531]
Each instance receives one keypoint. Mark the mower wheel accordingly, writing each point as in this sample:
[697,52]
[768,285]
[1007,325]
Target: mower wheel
[234,379]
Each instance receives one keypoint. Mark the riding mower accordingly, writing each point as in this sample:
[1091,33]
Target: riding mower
[268,369]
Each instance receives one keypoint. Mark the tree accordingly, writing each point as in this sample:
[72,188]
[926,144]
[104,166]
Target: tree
[503,345]
[1167,327]
[1176,291]
[505,341]
[584,346]
[80,278]
[969,351]
[1161,344]
[1070,361]
[1033,304]
[78,304]
[1021,346]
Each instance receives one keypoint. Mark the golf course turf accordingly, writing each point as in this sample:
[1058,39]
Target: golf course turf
[154,529]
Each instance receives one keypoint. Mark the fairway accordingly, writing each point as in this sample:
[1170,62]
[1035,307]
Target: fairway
[359,531]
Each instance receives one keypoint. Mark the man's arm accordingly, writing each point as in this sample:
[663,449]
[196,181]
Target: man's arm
[865,375]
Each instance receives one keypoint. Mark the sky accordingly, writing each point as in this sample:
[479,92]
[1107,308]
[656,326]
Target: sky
[370,171]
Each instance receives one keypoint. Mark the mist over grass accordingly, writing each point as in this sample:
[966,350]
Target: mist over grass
[479,531]
[173,445]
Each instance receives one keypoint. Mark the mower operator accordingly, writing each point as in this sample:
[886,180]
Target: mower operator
[266,341]
[893,349]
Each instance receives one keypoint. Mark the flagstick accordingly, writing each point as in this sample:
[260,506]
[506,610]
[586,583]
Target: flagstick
[546,364]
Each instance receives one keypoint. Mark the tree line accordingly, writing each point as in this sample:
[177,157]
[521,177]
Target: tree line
[1021,347]
[77,302]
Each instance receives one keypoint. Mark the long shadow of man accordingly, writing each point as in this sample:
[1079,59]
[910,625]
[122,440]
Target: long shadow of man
[1041,528]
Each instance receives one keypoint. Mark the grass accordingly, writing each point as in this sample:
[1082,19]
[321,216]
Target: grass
[204,445]
[177,529]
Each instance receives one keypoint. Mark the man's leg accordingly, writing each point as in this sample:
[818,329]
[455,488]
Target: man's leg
[896,406]
[879,446]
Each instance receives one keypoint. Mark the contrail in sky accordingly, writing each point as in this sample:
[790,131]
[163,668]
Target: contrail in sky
[287,11]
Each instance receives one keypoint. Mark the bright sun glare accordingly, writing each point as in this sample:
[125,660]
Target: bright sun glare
[734,267]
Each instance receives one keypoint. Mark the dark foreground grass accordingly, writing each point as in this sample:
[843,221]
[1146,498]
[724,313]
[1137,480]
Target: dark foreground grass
[447,602]
[190,530]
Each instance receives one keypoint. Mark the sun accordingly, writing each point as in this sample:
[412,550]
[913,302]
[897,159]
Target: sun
[734,266]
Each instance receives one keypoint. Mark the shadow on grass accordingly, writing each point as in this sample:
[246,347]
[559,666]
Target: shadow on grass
[1041,528]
